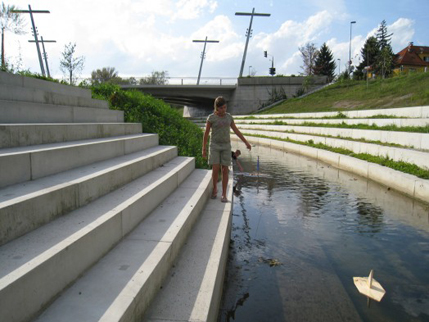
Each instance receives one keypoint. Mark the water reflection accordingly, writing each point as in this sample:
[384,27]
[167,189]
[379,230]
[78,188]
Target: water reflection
[319,227]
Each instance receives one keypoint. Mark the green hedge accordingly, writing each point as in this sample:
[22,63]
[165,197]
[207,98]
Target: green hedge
[156,117]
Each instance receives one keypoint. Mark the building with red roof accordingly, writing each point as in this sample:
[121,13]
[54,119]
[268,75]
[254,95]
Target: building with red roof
[412,58]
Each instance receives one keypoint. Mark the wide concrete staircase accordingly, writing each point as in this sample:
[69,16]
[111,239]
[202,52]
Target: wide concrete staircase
[98,222]
[293,132]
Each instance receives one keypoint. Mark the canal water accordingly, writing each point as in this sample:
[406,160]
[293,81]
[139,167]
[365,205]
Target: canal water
[302,230]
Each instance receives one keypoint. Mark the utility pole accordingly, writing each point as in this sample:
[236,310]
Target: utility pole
[248,33]
[45,55]
[203,55]
[36,40]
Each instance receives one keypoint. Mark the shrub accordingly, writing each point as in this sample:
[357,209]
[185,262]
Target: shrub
[156,117]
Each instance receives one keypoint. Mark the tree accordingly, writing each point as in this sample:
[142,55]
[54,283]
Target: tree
[70,63]
[382,36]
[9,21]
[104,75]
[309,54]
[156,78]
[384,61]
[369,53]
[325,63]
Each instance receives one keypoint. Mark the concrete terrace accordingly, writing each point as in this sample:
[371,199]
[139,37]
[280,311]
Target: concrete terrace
[410,147]
[98,222]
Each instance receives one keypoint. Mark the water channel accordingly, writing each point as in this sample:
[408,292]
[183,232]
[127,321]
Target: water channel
[302,230]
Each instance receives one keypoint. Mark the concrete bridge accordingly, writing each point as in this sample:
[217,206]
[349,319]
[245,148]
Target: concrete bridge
[248,95]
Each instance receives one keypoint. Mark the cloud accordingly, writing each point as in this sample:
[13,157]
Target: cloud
[192,9]
[284,42]
[403,33]
[221,29]
[139,36]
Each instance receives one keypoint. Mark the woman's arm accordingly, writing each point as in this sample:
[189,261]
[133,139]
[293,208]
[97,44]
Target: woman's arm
[242,138]
[205,139]
[239,165]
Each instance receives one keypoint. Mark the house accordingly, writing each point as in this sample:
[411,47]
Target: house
[412,58]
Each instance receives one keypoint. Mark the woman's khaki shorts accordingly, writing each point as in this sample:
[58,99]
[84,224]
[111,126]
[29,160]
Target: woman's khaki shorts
[220,155]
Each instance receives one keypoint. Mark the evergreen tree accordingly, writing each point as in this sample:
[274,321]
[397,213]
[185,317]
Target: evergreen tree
[384,62]
[383,37]
[325,63]
[369,54]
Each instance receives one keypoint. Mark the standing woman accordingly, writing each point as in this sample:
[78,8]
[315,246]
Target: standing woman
[220,144]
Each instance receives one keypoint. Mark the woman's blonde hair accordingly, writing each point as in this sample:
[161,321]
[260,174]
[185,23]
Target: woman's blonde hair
[219,102]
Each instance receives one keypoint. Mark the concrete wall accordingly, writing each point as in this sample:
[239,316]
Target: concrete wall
[252,92]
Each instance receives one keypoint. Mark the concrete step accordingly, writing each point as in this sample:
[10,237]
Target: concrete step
[31,82]
[419,158]
[37,267]
[15,135]
[33,112]
[27,206]
[29,163]
[419,141]
[379,122]
[193,288]
[412,186]
[412,112]
[25,94]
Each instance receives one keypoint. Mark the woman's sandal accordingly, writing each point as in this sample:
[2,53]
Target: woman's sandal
[214,195]
[224,199]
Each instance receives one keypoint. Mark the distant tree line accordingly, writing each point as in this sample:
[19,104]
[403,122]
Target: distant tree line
[377,54]
[319,62]
[110,75]
[377,57]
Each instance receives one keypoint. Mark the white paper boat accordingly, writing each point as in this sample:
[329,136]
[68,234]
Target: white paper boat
[370,287]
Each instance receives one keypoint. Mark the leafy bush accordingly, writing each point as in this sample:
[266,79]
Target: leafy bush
[156,117]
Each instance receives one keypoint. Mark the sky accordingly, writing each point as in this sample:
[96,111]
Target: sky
[138,37]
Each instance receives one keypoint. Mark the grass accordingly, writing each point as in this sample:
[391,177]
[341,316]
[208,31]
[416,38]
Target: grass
[347,138]
[393,127]
[400,91]
[405,167]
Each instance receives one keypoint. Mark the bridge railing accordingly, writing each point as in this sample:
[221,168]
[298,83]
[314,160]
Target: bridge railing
[204,81]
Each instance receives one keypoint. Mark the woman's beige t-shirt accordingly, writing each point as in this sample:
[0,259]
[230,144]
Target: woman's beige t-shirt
[220,133]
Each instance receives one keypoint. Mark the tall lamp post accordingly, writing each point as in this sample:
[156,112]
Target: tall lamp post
[350,46]
[339,64]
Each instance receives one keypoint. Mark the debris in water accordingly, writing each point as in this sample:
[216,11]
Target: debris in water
[270,261]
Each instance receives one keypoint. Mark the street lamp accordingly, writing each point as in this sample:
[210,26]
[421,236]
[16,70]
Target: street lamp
[250,67]
[350,46]
[339,64]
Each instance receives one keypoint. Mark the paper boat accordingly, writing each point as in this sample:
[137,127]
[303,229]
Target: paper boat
[370,287]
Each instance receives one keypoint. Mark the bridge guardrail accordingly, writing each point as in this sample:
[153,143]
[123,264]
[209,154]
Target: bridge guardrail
[204,81]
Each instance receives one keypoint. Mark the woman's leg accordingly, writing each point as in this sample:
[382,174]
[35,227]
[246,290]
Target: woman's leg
[225,172]
[215,178]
